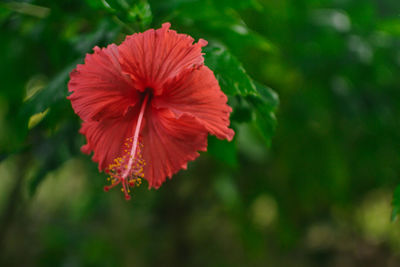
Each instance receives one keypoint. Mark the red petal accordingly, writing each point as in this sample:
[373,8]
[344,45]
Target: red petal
[153,57]
[100,89]
[198,94]
[107,137]
[169,143]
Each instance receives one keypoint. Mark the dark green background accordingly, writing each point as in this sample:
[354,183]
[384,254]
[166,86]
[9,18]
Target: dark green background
[315,189]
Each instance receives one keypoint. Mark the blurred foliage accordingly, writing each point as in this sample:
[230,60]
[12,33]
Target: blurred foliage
[396,203]
[317,192]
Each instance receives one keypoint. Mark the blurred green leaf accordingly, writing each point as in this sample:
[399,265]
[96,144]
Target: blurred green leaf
[390,26]
[222,150]
[95,4]
[132,15]
[52,93]
[5,12]
[141,14]
[105,31]
[239,4]
[396,203]
[27,9]
[265,106]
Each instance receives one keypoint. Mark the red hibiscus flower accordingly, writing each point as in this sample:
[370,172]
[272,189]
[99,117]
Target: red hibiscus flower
[147,106]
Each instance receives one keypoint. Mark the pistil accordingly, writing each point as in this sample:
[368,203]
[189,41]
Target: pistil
[128,169]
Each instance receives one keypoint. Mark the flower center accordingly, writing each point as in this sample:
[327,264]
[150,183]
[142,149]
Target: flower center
[128,169]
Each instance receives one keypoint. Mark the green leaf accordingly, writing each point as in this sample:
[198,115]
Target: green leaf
[265,106]
[234,81]
[220,20]
[141,14]
[390,26]
[27,9]
[132,16]
[55,91]
[396,203]
[242,111]
[231,75]
[105,33]
[269,96]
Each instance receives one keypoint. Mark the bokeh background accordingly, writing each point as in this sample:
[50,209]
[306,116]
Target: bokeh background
[315,189]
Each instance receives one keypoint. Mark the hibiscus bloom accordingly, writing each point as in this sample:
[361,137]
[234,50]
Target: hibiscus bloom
[147,106]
